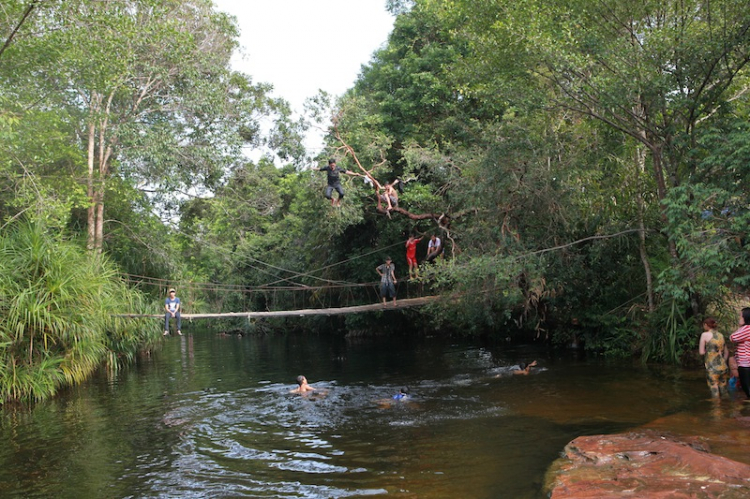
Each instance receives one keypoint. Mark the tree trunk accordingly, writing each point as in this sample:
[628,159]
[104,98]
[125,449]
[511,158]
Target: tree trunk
[661,189]
[105,153]
[91,214]
[99,241]
[640,154]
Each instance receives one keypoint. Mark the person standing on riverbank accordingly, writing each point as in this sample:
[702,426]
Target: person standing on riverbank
[742,338]
[172,308]
[387,272]
[714,350]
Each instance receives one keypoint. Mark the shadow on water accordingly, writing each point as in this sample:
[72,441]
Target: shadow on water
[212,416]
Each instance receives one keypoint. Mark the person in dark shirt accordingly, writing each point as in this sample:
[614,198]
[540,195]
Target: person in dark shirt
[334,181]
[387,275]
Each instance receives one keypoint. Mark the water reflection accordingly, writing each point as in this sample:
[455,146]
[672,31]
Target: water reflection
[212,416]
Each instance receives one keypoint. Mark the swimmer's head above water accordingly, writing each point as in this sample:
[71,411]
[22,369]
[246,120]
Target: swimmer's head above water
[402,393]
[303,386]
[524,368]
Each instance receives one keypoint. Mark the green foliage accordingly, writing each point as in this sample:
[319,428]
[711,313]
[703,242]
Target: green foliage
[611,335]
[588,193]
[672,336]
[60,314]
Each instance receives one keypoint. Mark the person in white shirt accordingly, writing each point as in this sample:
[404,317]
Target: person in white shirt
[434,248]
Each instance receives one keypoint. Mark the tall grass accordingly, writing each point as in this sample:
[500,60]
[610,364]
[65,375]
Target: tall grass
[58,314]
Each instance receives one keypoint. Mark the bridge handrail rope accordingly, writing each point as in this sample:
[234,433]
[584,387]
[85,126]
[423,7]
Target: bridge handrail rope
[334,284]
[331,285]
[269,286]
[247,289]
[135,278]
[343,261]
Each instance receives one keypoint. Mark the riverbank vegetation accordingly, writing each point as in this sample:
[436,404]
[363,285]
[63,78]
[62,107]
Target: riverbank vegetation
[59,320]
[585,164]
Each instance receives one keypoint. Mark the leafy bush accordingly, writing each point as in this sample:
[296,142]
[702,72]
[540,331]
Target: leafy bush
[59,311]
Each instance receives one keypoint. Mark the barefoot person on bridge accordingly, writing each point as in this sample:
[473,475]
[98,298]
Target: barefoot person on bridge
[387,272]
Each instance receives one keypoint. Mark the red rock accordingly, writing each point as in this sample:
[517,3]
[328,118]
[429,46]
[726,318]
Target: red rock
[646,464]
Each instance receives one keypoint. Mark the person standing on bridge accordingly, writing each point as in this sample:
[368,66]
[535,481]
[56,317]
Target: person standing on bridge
[387,272]
[172,308]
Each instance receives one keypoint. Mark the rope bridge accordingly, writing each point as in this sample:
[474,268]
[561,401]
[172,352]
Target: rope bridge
[329,299]
[284,295]
[400,304]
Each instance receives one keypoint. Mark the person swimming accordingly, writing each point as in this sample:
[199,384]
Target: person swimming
[524,369]
[303,387]
[402,394]
[393,401]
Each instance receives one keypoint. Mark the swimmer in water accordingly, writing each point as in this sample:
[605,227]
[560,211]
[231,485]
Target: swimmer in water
[402,394]
[303,386]
[524,369]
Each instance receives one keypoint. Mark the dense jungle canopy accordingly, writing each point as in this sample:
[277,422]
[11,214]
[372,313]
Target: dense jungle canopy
[584,162]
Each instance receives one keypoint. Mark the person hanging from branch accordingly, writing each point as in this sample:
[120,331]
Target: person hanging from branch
[390,195]
[396,186]
[334,181]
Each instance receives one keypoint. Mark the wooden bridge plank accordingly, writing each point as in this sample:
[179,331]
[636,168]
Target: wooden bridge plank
[400,304]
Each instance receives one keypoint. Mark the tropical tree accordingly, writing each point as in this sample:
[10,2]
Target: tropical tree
[145,88]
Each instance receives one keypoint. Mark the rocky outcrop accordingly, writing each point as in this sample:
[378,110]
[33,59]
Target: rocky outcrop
[645,464]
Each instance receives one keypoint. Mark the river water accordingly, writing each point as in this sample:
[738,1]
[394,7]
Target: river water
[210,415]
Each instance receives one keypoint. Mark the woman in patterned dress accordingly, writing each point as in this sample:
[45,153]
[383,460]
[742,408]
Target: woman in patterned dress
[715,352]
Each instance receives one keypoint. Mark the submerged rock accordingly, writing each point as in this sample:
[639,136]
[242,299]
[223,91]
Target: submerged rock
[645,464]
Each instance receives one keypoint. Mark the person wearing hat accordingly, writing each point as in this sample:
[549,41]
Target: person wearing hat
[334,181]
[387,272]
[172,307]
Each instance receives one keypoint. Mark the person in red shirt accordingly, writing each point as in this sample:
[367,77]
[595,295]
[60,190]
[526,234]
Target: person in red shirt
[742,338]
[411,256]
